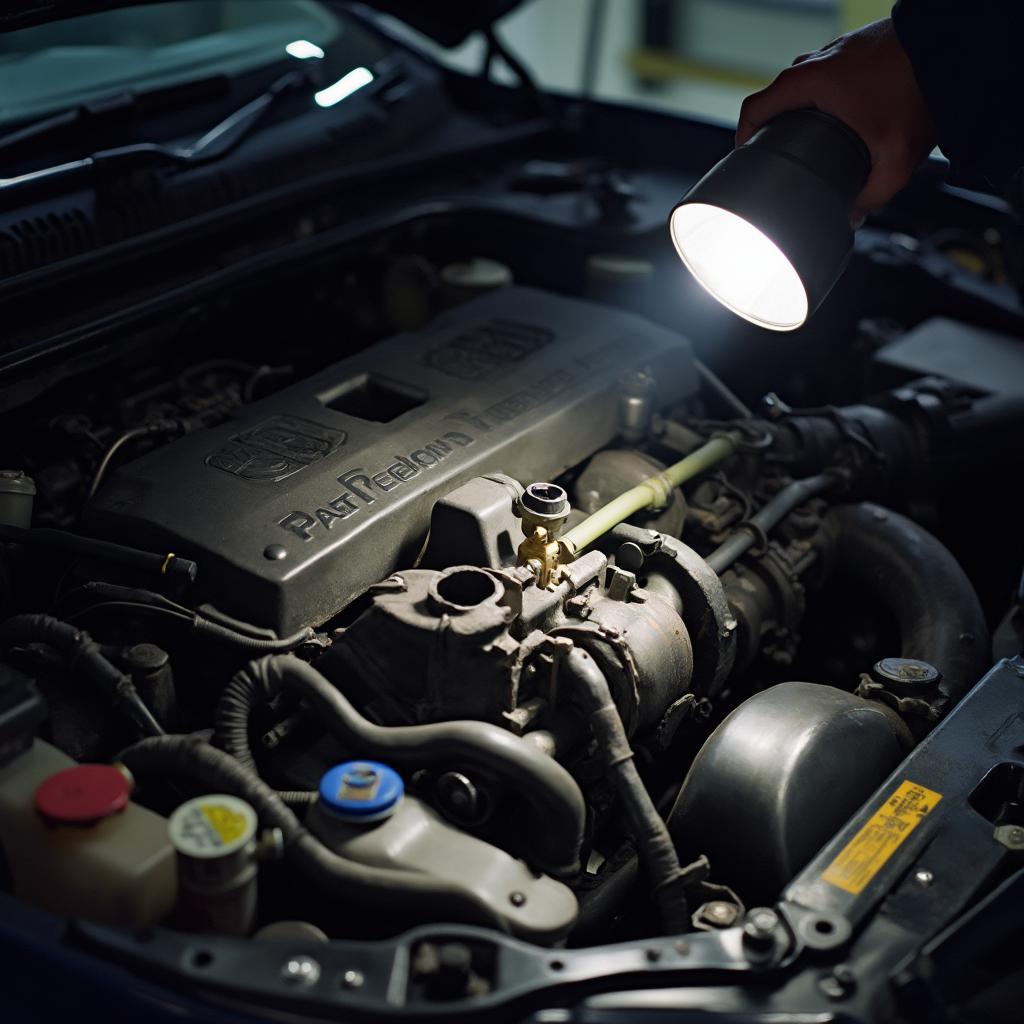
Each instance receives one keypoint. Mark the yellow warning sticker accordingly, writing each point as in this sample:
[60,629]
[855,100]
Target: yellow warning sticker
[228,824]
[867,852]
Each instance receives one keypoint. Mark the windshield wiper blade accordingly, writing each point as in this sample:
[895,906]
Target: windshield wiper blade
[212,145]
[114,107]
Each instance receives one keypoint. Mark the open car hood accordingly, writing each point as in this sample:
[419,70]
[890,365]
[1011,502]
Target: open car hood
[449,22]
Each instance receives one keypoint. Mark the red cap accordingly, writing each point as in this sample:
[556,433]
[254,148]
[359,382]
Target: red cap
[83,794]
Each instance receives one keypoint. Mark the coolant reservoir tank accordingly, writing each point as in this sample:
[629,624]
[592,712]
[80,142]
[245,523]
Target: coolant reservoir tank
[364,815]
[76,845]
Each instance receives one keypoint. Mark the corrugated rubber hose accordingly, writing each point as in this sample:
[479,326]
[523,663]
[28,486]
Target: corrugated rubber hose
[657,852]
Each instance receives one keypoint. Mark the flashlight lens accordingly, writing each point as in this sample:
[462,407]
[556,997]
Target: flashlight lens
[740,266]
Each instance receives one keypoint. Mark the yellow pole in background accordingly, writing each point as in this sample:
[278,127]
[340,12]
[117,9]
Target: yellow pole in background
[854,13]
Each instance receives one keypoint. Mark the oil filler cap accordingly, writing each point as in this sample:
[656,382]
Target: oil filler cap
[361,791]
[83,794]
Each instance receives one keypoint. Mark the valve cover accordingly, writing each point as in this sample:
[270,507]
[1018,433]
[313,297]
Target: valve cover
[310,496]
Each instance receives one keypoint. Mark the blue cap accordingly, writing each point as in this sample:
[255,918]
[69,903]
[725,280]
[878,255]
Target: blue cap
[361,790]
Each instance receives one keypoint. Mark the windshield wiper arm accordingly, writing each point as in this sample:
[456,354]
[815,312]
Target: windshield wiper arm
[113,107]
[215,143]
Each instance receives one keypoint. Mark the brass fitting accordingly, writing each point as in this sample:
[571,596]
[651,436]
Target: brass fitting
[544,554]
[543,509]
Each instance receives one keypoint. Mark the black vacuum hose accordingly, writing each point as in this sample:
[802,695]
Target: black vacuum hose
[921,583]
[84,655]
[746,535]
[240,698]
[559,814]
[590,689]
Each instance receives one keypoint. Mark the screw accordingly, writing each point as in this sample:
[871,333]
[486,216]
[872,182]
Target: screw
[1011,836]
[517,899]
[839,984]
[301,970]
[924,878]
[653,955]
[759,930]
[352,979]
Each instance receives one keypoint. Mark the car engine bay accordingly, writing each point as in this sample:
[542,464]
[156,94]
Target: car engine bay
[476,606]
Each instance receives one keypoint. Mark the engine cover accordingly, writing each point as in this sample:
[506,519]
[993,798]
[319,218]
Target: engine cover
[310,496]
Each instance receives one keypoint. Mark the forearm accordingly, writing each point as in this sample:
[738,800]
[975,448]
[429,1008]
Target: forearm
[966,56]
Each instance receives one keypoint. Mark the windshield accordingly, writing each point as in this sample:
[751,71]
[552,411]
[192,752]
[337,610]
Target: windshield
[698,57]
[50,67]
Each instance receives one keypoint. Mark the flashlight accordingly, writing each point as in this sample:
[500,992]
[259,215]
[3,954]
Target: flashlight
[767,230]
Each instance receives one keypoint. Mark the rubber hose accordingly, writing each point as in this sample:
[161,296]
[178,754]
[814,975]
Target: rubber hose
[231,725]
[81,652]
[746,535]
[657,851]
[219,772]
[559,811]
[917,579]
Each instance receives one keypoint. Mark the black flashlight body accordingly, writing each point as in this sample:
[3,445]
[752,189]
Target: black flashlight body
[795,181]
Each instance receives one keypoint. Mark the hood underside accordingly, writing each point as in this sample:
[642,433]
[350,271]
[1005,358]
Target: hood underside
[449,23]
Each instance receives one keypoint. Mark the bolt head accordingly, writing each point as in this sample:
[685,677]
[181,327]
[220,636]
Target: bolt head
[1011,836]
[301,970]
[924,877]
[839,983]
[352,979]
[759,929]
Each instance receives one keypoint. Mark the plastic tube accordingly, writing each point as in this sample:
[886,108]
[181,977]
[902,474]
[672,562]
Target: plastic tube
[653,492]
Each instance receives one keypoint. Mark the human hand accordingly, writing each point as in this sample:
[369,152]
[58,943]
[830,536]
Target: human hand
[866,80]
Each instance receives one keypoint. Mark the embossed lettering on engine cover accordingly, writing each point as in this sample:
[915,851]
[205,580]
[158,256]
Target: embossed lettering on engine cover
[520,382]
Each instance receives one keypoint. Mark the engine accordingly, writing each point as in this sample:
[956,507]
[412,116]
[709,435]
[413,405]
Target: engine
[491,623]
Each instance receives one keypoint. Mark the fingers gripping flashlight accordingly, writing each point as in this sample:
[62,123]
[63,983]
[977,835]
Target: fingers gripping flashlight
[766,231]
